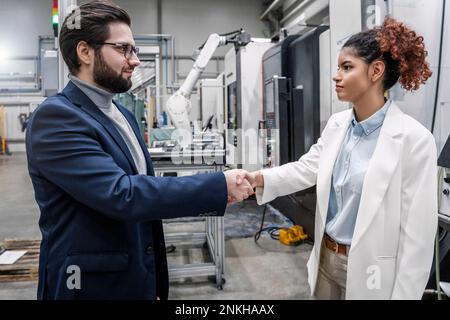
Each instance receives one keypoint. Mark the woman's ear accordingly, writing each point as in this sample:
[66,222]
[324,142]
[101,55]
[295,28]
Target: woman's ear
[376,70]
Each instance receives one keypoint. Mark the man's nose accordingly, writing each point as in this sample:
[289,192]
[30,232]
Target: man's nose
[134,60]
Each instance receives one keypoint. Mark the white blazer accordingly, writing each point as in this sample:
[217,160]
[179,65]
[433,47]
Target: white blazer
[393,243]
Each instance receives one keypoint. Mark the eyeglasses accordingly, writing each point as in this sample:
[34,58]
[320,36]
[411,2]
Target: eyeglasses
[127,49]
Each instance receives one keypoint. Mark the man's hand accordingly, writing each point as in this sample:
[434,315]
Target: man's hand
[239,188]
[255,178]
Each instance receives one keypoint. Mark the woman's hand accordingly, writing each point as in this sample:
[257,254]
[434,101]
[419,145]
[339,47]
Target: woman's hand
[255,178]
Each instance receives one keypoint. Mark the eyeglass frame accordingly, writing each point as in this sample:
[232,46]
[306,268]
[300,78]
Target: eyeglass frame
[134,49]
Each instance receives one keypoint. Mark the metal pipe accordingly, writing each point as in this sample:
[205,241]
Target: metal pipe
[166,64]
[14,141]
[4,90]
[151,113]
[295,11]
[22,58]
[172,44]
[17,104]
[438,268]
[46,38]
[145,36]
[23,78]
[158,86]
[158,16]
[2,114]
[390,7]
[38,64]
[270,8]
[186,57]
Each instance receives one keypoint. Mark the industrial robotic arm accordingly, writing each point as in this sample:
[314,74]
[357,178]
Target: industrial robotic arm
[179,105]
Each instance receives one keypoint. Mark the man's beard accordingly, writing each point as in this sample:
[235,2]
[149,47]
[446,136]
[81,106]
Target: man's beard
[107,78]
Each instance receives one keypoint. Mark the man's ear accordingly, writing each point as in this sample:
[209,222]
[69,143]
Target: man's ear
[85,53]
[376,70]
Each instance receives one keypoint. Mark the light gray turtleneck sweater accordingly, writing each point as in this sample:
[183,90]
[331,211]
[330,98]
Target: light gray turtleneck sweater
[103,100]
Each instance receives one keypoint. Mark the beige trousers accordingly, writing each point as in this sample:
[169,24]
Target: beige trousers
[332,275]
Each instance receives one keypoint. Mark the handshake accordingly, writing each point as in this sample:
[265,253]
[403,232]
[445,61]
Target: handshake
[240,184]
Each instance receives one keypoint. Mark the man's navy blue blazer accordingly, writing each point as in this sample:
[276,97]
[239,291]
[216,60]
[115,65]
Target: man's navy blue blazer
[97,212]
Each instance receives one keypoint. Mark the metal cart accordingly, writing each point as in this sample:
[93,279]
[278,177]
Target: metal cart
[213,235]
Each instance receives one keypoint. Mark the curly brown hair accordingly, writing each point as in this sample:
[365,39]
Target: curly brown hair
[400,48]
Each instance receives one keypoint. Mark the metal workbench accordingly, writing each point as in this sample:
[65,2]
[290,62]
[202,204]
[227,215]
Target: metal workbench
[212,236]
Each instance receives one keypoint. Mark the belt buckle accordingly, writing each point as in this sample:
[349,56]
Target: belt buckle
[336,247]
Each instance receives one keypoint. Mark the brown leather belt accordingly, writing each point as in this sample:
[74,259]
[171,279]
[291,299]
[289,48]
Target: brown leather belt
[334,246]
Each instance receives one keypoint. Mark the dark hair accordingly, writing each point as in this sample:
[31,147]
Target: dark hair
[399,47]
[94,18]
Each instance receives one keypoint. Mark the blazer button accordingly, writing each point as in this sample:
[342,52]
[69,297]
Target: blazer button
[149,250]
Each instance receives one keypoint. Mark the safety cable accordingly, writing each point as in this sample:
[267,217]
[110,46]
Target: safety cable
[439,67]
[273,231]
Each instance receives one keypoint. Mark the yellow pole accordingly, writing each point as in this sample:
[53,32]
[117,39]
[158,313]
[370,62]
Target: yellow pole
[2,109]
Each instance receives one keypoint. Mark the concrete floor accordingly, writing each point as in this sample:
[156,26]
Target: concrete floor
[267,270]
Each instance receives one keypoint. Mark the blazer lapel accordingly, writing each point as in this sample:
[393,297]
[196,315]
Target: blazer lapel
[136,131]
[379,172]
[331,145]
[77,97]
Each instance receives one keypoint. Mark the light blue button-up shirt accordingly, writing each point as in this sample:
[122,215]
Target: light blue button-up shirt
[348,175]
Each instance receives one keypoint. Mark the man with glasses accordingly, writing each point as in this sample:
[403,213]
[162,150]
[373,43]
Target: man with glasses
[101,206]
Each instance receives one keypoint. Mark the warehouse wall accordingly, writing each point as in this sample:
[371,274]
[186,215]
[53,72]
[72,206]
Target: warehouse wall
[425,17]
[190,22]
[21,22]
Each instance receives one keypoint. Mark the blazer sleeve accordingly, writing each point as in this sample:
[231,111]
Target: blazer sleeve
[293,176]
[419,220]
[63,147]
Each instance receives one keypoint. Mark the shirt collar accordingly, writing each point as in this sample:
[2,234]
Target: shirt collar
[99,96]
[373,122]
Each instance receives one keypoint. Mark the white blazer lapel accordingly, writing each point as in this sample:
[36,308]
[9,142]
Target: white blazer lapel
[379,172]
[332,142]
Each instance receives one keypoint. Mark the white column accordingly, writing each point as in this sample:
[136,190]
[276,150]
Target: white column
[65,7]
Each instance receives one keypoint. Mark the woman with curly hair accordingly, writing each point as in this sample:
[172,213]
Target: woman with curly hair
[375,171]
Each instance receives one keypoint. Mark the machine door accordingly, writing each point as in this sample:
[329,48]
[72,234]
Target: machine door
[276,117]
